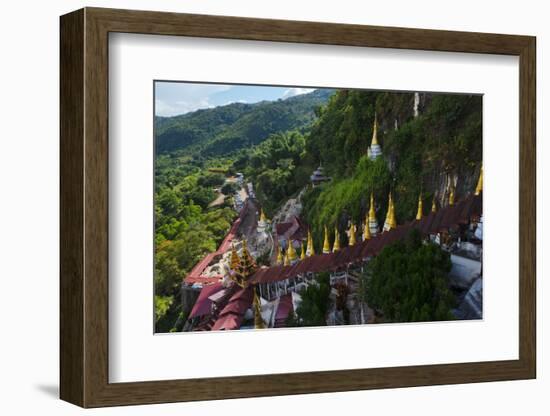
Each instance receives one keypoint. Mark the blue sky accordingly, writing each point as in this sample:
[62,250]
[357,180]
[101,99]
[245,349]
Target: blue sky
[173,98]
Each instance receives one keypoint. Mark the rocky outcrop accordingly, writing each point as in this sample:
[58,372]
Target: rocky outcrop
[291,208]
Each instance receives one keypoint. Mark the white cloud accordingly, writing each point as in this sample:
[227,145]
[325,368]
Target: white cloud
[169,96]
[291,92]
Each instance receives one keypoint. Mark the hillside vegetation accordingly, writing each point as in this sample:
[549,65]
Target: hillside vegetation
[425,143]
[223,130]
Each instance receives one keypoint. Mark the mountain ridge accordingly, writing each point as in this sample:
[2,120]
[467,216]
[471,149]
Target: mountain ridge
[226,129]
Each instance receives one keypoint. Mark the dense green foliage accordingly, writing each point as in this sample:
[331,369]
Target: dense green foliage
[277,145]
[185,229]
[444,139]
[193,159]
[408,282]
[277,167]
[314,306]
[226,129]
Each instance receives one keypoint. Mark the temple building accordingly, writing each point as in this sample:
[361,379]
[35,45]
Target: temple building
[255,297]
[373,223]
[390,222]
[318,177]
[310,250]
[326,243]
[374,150]
[294,231]
[419,210]
[263,222]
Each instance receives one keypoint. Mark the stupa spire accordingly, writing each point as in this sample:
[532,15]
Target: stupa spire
[479,187]
[310,251]
[326,243]
[434,206]
[390,215]
[291,252]
[303,253]
[235,259]
[336,246]
[372,214]
[419,211]
[374,150]
[352,237]
[258,320]
[452,196]
[374,141]
[373,224]
[280,259]
[366,229]
[247,265]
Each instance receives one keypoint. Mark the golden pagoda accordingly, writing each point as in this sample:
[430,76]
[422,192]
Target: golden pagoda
[374,140]
[434,206]
[286,261]
[247,265]
[258,320]
[372,222]
[291,252]
[374,150]
[393,222]
[452,196]
[262,222]
[366,229]
[303,253]
[235,259]
[326,243]
[419,212]
[262,215]
[352,238]
[372,214]
[310,251]
[336,246]
[280,259]
[390,216]
[479,186]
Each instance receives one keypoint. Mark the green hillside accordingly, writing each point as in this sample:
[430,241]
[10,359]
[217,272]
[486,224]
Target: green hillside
[223,130]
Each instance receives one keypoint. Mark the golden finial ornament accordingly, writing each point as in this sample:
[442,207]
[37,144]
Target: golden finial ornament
[372,214]
[366,230]
[374,140]
[352,238]
[326,243]
[419,211]
[310,251]
[280,259]
[291,252]
[258,320]
[235,259]
[336,246]
[479,186]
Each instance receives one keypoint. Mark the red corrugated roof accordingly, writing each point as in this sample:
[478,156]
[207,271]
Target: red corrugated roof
[203,304]
[446,218]
[228,322]
[195,275]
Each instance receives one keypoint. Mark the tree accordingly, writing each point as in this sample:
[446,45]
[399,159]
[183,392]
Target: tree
[408,282]
[314,306]
[229,188]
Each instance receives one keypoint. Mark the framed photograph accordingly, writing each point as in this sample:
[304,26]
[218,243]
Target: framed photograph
[256,207]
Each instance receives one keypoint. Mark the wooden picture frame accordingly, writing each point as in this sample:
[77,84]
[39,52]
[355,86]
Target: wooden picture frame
[84,207]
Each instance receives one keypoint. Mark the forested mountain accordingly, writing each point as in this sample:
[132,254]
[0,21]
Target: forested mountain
[425,145]
[225,129]
[427,140]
